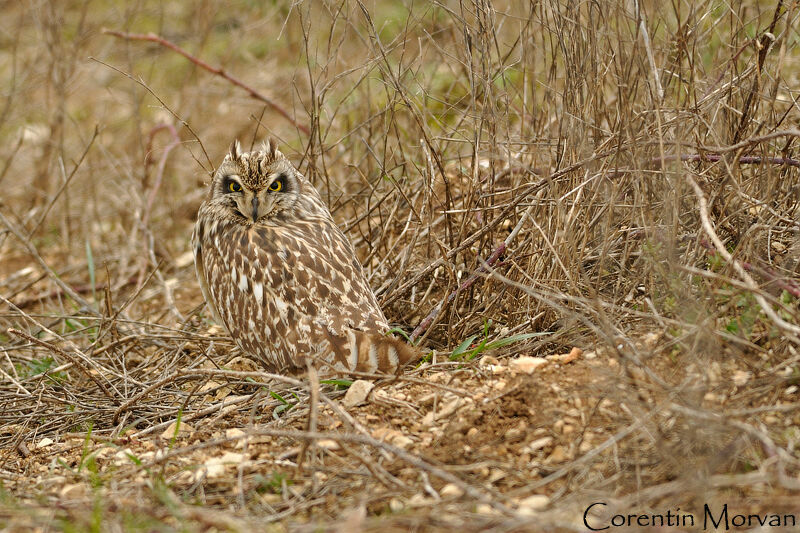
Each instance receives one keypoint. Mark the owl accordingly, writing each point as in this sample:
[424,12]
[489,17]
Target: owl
[280,275]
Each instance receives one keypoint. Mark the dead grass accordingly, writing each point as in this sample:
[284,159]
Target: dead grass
[618,176]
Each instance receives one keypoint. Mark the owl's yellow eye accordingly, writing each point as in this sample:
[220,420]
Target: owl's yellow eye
[276,185]
[234,186]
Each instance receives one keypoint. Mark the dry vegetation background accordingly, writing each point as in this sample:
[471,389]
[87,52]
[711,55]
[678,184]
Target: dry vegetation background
[619,176]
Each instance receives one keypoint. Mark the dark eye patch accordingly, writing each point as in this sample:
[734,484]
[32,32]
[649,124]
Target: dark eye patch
[230,185]
[279,185]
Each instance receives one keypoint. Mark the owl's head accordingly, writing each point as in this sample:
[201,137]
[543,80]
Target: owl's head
[255,186]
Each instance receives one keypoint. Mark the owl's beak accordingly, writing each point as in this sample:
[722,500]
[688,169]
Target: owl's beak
[255,208]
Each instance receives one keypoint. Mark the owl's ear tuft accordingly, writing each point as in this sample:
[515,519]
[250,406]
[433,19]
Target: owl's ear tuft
[269,147]
[235,151]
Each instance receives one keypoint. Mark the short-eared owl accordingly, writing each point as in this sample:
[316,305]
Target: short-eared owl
[281,277]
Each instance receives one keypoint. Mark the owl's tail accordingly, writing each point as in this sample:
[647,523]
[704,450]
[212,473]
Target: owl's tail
[380,353]
[368,351]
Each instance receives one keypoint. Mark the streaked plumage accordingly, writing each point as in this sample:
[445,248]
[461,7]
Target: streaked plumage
[281,277]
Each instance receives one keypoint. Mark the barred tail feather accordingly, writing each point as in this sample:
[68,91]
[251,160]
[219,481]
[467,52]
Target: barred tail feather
[373,352]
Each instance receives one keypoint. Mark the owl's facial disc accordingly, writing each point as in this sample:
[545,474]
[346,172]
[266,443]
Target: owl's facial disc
[232,189]
[254,205]
[249,204]
[268,200]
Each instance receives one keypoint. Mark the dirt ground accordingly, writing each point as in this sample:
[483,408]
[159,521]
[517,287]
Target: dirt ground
[509,442]
[585,214]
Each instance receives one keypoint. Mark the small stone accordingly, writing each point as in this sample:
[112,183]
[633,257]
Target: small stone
[105,452]
[418,500]
[496,475]
[446,410]
[651,339]
[471,433]
[123,457]
[496,369]
[500,384]
[357,393]
[73,490]
[270,497]
[328,444]
[402,441]
[45,442]
[538,444]
[396,505]
[485,509]
[392,436]
[516,433]
[214,468]
[559,455]
[527,364]
[530,505]
[215,329]
[234,434]
[239,438]
[571,356]
[488,360]
[741,377]
[451,491]
[778,247]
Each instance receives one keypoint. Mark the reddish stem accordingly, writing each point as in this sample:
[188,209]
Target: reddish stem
[428,320]
[219,71]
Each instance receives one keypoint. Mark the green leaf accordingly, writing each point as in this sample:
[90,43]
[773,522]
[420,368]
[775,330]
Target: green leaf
[499,343]
[177,429]
[85,450]
[463,347]
[278,397]
[345,383]
[478,349]
[400,332]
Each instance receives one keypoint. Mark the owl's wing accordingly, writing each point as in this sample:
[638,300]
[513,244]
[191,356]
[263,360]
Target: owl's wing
[200,268]
[287,298]
[314,266]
